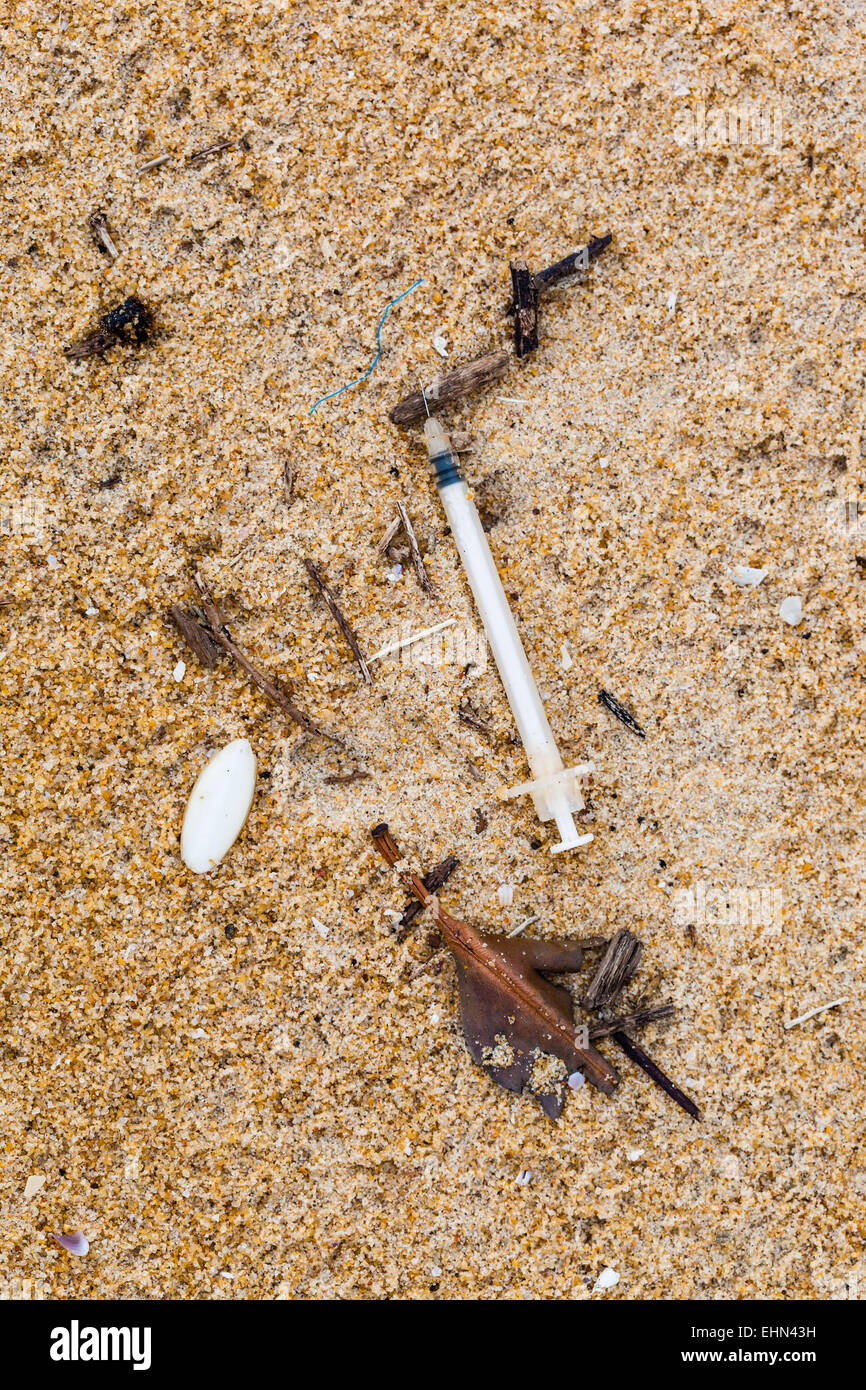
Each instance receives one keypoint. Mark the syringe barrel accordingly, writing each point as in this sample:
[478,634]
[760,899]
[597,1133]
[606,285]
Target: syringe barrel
[502,634]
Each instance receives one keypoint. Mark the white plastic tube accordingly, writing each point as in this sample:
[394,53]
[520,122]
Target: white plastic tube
[555,789]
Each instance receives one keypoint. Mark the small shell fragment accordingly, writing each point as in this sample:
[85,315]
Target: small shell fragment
[791,610]
[605,1280]
[441,345]
[505,893]
[218,806]
[747,577]
[34,1184]
[179,671]
[76,1243]
[576,1080]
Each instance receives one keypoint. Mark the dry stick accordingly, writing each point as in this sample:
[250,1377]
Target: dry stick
[415,552]
[220,635]
[654,1071]
[211,149]
[316,575]
[525,309]
[578,260]
[342,779]
[616,969]
[197,637]
[450,387]
[439,874]
[636,1020]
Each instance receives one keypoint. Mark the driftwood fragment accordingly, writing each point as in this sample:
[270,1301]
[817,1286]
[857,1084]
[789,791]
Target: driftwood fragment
[527,288]
[618,964]
[342,622]
[197,637]
[638,1019]
[525,309]
[472,376]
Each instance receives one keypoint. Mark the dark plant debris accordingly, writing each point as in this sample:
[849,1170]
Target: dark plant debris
[622,714]
[130,322]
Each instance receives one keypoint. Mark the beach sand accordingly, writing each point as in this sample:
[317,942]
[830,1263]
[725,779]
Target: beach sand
[229,1100]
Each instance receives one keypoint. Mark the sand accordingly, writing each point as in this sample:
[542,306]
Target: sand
[229,1100]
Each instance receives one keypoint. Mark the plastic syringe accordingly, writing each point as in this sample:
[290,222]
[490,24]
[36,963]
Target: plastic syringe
[555,789]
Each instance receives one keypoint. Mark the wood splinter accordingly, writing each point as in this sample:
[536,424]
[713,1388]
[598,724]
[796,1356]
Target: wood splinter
[472,376]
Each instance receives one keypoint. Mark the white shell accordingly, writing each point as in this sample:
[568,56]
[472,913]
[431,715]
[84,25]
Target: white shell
[218,806]
[605,1280]
[505,894]
[747,577]
[791,610]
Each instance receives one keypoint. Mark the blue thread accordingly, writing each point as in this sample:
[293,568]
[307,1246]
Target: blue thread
[331,394]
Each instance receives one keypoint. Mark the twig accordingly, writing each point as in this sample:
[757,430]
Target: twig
[98,224]
[220,635]
[153,163]
[472,376]
[289,479]
[654,1071]
[525,309]
[211,149]
[578,260]
[439,874]
[342,779]
[415,552]
[316,575]
[621,713]
[636,1020]
[197,637]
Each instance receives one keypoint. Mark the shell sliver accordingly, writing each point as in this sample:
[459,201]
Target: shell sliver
[218,806]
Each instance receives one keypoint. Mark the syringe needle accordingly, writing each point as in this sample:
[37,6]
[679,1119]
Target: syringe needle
[555,789]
